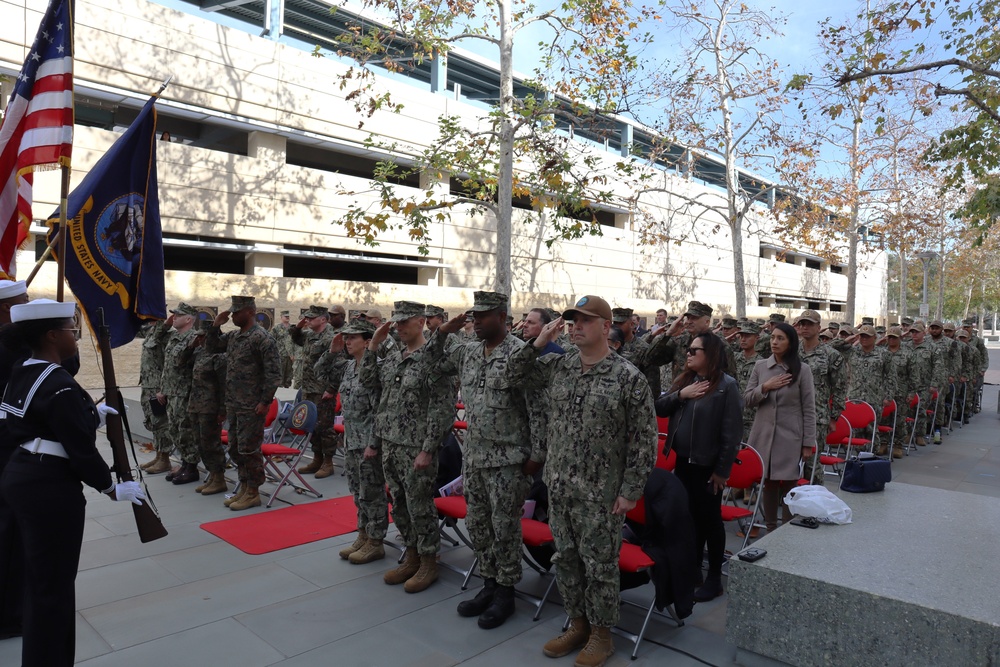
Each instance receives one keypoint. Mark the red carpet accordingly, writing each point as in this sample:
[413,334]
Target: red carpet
[272,530]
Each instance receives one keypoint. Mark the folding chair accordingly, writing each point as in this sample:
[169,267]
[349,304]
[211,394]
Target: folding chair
[965,396]
[633,560]
[272,415]
[887,411]
[300,425]
[451,509]
[950,407]
[860,416]
[912,423]
[537,534]
[747,472]
[839,437]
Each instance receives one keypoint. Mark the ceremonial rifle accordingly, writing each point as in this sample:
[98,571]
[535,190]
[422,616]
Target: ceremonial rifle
[146,519]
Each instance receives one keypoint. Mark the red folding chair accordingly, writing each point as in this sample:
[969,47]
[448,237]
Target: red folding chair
[272,415]
[281,460]
[887,411]
[746,474]
[860,416]
[912,423]
[837,438]
[537,534]
[451,510]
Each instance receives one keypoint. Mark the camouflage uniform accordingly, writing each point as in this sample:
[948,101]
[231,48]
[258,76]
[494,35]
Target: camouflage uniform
[744,368]
[899,368]
[984,364]
[176,383]
[253,373]
[313,344]
[970,371]
[415,411]
[151,379]
[830,386]
[505,430]
[925,372]
[365,477]
[281,335]
[951,361]
[871,378]
[207,404]
[601,442]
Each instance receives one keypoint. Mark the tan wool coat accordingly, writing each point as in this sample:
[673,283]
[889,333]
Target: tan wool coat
[785,421]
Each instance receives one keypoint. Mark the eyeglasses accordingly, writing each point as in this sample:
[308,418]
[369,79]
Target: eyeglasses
[691,351]
[76,332]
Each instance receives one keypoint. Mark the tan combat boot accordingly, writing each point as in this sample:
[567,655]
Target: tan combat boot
[239,494]
[372,550]
[359,542]
[598,649]
[149,464]
[921,441]
[208,480]
[405,570]
[575,636]
[425,576]
[326,469]
[216,484]
[897,452]
[160,464]
[314,466]
[882,450]
[249,499]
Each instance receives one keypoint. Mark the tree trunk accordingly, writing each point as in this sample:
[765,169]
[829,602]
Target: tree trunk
[852,233]
[902,283]
[505,180]
[939,310]
[968,300]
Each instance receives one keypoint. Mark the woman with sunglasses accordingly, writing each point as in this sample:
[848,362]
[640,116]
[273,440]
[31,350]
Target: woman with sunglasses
[54,423]
[706,424]
[784,430]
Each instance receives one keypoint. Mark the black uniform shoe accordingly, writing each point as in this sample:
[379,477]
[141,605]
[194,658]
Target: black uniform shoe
[478,604]
[187,474]
[499,610]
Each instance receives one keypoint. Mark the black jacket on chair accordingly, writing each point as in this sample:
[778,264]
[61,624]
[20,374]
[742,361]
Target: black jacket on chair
[715,422]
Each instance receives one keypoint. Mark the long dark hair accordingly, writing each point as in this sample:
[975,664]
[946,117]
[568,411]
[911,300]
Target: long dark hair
[715,354]
[791,357]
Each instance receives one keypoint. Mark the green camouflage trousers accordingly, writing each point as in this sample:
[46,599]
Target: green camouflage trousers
[902,428]
[920,419]
[209,432]
[412,491]
[182,430]
[588,538]
[366,480]
[158,425]
[324,439]
[246,434]
[941,417]
[495,499]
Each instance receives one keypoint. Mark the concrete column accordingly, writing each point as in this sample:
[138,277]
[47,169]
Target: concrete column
[267,146]
[439,72]
[628,135]
[263,263]
[428,277]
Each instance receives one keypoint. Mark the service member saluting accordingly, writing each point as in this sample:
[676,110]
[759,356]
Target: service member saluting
[601,442]
[56,422]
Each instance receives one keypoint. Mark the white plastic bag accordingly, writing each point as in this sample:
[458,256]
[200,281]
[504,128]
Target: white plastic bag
[819,503]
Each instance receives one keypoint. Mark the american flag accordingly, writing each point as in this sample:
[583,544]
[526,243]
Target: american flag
[37,126]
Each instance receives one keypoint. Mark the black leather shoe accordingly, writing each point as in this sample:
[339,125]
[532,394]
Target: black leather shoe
[499,610]
[478,604]
[187,474]
[711,589]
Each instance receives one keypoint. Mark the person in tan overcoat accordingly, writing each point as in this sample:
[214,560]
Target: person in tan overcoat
[784,430]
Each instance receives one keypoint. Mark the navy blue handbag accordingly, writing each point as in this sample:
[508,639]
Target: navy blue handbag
[866,475]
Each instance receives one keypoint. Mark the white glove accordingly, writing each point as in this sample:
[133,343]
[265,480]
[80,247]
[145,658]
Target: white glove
[130,491]
[103,410]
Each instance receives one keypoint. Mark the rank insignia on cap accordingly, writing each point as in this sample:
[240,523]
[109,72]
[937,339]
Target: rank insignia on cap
[582,302]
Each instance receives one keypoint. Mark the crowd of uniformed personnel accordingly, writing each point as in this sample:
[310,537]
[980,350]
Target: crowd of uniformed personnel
[574,408]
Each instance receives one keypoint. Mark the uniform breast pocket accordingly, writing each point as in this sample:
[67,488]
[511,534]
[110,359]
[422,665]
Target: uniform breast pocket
[498,395]
[560,393]
[602,407]
[412,382]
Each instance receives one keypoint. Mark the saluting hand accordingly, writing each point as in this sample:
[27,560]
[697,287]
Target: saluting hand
[676,326]
[380,335]
[221,318]
[302,323]
[454,325]
[549,333]
[337,344]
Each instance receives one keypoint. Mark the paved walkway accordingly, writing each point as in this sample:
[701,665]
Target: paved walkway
[192,599]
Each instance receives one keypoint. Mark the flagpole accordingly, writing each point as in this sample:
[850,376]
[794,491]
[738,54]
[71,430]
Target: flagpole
[61,257]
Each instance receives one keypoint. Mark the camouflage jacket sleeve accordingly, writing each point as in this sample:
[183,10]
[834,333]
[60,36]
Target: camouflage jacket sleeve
[939,378]
[297,335]
[890,389]
[216,341]
[527,369]
[660,351]
[984,355]
[838,385]
[639,413]
[445,358]
[271,362]
[219,360]
[970,362]
[330,370]
[368,372]
[537,424]
[440,410]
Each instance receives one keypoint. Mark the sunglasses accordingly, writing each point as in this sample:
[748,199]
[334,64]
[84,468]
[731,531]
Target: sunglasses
[691,351]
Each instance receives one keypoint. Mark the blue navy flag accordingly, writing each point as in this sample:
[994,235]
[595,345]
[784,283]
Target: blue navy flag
[114,251]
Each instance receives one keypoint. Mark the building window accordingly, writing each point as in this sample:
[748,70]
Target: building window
[314,157]
[203,260]
[813,305]
[836,268]
[836,308]
[814,264]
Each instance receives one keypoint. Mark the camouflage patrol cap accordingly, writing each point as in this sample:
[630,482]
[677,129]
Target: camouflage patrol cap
[185,309]
[833,326]
[316,311]
[917,326]
[671,319]
[374,313]
[285,313]
[619,315]
[845,324]
[404,310]
[880,329]
[868,320]
[698,309]
[969,322]
[484,302]
[337,310]
[907,321]
[961,333]
[776,317]
[936,323]
[749,328]
[205,324]
[238,303]
[948,326]
[553,313]
[359,327]
[591,305]
[893,324]
[729,322]
[808,316]
[759,322]
[826,333]
[847,329]
[866,330]
[894,332]
[435,311]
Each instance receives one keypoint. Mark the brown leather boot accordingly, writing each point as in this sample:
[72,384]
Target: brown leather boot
[326,469]
[228,502]
[187,474]
[250,499]
[216,484]
[372,550]
[425,576]
[359,542]
[897,452]
[921,441]
[882,450]
[317,462]
[160,464]
[573,638]
[401,573]
[598,649]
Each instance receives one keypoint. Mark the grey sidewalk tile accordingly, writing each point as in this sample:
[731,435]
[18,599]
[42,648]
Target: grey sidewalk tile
[224,642]
[979,489]
[374,647]
[121,548]
[89,644]
[325,568]
[120,581]
[93,530]
[154,615]
[309,621]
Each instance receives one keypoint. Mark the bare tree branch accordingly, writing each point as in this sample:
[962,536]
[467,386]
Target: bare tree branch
[866,73]
[969,95]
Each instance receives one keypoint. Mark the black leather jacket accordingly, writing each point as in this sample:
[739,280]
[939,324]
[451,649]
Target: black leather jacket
[715,422]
